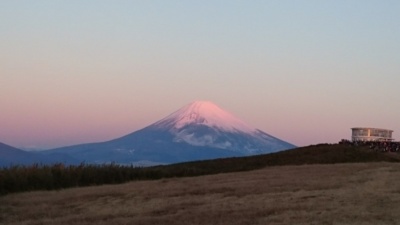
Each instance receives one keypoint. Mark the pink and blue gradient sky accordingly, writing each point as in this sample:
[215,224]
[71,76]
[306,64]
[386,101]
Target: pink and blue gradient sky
[304,71]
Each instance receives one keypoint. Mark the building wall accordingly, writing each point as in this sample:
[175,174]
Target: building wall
[371,134]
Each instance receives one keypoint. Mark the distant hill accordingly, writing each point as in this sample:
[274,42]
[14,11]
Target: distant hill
[11,156]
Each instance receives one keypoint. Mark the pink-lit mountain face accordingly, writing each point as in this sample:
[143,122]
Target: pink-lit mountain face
[204,113]
[200,130]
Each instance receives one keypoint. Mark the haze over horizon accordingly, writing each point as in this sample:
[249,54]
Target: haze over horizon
[76,72]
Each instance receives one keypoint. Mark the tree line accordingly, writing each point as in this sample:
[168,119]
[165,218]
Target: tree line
[60,176]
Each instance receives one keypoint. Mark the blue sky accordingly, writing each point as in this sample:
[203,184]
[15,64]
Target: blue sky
[304,71]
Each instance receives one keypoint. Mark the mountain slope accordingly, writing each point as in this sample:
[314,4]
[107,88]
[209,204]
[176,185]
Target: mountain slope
[200,130]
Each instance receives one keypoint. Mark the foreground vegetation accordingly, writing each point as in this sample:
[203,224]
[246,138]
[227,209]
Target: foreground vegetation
[55,177]
[351,193]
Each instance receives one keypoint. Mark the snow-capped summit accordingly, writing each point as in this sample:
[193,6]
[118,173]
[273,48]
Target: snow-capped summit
[204,113]
[198,131]
[203,123]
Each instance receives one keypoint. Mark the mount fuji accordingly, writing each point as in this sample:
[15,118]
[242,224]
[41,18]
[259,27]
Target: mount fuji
[198,131]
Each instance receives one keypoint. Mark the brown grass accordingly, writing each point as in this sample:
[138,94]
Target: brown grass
[362,193]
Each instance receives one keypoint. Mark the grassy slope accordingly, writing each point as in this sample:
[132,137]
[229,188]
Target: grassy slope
[351,193]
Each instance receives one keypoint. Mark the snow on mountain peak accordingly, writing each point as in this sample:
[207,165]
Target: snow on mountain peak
[205,113]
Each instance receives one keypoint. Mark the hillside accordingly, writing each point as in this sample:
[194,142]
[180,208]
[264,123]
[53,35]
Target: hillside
[59,176]
[314,154]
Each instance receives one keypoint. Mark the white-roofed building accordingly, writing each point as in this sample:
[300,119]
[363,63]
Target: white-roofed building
[371,134]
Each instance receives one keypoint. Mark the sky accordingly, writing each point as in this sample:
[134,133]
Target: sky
[305,71]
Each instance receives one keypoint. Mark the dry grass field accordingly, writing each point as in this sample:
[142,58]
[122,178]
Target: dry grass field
[356,193]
